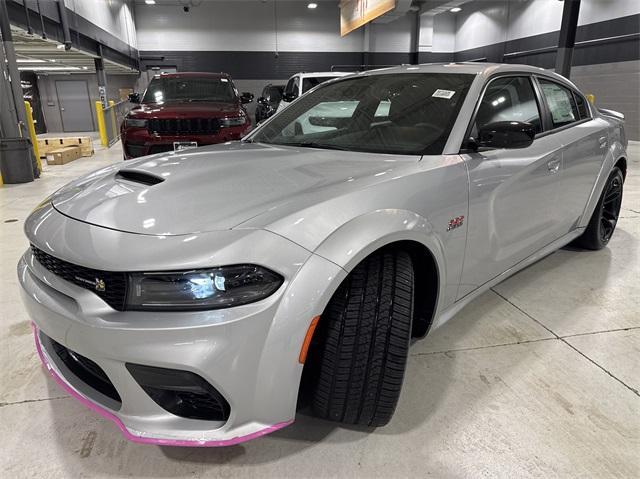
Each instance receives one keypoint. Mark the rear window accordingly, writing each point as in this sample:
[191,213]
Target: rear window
[560,102]
[189,89]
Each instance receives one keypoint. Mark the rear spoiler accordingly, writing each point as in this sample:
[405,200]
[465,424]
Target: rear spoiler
[613,114]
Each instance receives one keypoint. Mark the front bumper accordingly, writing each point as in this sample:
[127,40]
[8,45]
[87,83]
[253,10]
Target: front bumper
[247,353]
[139,142]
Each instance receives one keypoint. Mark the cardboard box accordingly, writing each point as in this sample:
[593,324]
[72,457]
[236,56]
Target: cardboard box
[64,155]
[47,145]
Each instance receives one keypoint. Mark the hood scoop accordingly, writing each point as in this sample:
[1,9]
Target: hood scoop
[137,176]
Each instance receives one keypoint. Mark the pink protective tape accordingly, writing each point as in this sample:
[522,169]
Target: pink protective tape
[147,440]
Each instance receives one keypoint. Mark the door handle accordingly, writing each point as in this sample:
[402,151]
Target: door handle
[603,142]
[553,165]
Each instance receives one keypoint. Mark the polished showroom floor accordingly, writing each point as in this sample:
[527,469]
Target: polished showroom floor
[536,378]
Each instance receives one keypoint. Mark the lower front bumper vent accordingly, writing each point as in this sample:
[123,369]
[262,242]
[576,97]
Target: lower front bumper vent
[182,393]
[85,370]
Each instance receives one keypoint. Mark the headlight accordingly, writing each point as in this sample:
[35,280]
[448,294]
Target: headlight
[201,289]
[235,121]
[135,123]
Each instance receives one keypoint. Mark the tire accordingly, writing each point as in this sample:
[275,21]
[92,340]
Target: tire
[605,216]
[362,342]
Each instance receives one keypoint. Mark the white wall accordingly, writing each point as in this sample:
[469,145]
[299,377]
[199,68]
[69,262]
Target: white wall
[113,16]
[485,22]
[394,36]
[244,26]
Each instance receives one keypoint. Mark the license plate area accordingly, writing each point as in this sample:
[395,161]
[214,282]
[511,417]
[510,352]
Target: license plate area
[184,145]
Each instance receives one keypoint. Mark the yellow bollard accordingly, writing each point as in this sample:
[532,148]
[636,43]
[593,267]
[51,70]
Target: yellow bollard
[32,134]
[591,98]
[114,124]
[101,127]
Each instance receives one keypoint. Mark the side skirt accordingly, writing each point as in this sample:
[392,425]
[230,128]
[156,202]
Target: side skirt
[451,311]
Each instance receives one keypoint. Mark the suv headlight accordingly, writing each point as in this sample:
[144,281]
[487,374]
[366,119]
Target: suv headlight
[203,289]
[135,123]
[234,121]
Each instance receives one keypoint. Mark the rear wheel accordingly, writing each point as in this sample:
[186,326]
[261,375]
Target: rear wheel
[605,217]
[360,349]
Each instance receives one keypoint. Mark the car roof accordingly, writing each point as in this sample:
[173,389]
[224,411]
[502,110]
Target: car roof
[193,75]
[322,74]
[474,68]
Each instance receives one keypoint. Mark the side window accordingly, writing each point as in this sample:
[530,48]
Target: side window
[583,108]
[292,86]
[508,99]
[561,103]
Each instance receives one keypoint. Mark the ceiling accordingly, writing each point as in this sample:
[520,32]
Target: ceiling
[47,56]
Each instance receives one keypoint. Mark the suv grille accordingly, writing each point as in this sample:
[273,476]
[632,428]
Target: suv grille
[184,126]
[110,286]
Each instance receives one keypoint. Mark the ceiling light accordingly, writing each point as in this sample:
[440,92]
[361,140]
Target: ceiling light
[85,68]
[312,5]
[150,2]
[29,60]
[455,10]
[48,69]
[52,60]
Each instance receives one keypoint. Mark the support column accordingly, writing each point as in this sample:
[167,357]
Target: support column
[567,39]
[16,106]
[102,78]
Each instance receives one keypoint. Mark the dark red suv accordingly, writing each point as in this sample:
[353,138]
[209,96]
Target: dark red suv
[184,110]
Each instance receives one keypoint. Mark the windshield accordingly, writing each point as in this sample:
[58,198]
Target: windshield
[395,113]
[188,89]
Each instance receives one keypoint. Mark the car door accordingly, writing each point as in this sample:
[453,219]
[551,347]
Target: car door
[513,193]
[584,142]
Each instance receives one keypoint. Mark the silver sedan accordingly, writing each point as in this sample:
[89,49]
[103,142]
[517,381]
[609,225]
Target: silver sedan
[198,298]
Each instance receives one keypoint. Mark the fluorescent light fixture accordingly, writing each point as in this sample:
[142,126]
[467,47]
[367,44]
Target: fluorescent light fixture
[455,9]
[85,68]
[48,69]
[312,5]
[150,2]
[29,60]
[52,60]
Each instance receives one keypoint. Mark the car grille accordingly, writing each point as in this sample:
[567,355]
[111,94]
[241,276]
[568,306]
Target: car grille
[110,286]
[184,126]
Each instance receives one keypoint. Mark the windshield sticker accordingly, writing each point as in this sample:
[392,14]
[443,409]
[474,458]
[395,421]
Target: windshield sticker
[443,94]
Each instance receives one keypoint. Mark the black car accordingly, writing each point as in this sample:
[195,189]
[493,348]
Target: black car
[268,102]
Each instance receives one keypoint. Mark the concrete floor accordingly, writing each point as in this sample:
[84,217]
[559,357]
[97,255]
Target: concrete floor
[538,378]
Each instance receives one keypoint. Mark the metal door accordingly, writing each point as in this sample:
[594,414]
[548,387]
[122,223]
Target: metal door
[513,193]
[75,106]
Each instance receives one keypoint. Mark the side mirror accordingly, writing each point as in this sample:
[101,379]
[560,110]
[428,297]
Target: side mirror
[506,134]
[289,97]
[246,97]
[134,97]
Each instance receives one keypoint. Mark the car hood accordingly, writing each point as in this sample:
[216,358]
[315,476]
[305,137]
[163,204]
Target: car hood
[185,110]
[218,187]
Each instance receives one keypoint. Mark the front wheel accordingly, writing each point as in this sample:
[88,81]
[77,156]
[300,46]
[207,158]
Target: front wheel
[605,216]
[360,349]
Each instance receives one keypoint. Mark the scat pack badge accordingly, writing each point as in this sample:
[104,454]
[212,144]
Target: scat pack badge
[456,222]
